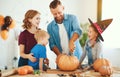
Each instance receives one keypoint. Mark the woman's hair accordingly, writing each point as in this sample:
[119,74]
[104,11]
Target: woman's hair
[29,15]
[7,21]
[54,4]
[40,34]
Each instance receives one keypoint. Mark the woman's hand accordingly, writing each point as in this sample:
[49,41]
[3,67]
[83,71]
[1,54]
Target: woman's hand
[31,57]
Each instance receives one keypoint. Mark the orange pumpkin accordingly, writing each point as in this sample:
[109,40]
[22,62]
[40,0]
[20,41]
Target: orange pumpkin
[22,71]
[67,62]
[1,20]
[4,34]
[100,62]
[29,68]
[106,70]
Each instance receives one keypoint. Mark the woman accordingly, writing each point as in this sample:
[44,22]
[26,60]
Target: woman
[26,38]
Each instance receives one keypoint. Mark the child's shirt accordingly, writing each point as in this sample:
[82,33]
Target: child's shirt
[39,51]
[93,52]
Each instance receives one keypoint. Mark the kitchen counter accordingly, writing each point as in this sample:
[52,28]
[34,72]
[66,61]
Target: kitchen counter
[77,73]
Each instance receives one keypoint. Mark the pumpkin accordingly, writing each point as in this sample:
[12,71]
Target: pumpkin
[106,70]
[1,20]
[23,70]
[29,68]
[4,34]
[100,62]
[67,62]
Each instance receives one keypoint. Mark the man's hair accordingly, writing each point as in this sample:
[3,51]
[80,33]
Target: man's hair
[54,4]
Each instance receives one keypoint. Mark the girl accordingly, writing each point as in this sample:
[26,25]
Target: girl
[93,46]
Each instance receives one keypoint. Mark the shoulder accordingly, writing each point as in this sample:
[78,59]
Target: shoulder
[69,16]
[23,32]
[99,44]
[52,23]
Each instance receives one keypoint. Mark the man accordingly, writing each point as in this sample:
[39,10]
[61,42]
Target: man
[64,31]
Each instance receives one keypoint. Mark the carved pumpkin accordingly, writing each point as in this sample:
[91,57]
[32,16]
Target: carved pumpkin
[106,70]
[4,34]
[1,20]
[100,62]
[67,62]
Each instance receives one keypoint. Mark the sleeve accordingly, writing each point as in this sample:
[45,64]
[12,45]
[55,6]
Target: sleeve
[51,41]
[42,53]
[83,54]
[21,39]
[76,25]
[99,50]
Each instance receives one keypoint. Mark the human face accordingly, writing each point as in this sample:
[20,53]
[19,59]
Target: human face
[92,34]
[58,13]
[35,21]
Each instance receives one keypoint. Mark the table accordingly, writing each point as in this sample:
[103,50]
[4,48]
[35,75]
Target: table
[77,73]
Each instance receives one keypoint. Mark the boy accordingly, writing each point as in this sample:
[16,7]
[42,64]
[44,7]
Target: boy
[39,50]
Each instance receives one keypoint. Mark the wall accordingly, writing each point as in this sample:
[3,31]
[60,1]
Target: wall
[83,9]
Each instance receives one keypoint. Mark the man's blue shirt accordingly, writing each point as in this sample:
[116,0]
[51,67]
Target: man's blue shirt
[72,26]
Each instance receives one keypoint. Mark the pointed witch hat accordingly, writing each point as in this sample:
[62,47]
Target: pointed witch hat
[100,26]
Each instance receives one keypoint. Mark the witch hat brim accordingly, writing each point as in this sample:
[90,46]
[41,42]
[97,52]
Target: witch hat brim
[100,26]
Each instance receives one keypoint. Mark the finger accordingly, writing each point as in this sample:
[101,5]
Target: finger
[31,53]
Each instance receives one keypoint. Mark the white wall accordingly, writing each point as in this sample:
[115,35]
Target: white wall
[83,9]
[111,35]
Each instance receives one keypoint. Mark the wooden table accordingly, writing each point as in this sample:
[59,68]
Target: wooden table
[78,73]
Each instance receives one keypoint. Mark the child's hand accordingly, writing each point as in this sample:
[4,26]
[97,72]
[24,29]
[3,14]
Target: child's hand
[46,61]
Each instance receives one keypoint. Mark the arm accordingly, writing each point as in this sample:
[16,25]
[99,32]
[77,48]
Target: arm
[26,56]
[99,50]
[56,50]
[84,52]
[76,32]
[72,40]
[52,43]
[41,64]
[83,56]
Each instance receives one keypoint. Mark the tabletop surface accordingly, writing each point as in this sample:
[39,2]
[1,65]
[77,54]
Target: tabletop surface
[76,73]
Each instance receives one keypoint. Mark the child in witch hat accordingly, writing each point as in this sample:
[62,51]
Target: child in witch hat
[93,46]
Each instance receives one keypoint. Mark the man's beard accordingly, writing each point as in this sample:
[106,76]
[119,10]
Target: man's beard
[60,20]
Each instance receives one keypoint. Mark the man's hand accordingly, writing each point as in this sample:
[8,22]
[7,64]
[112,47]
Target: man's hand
[71,42]
[71,46]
